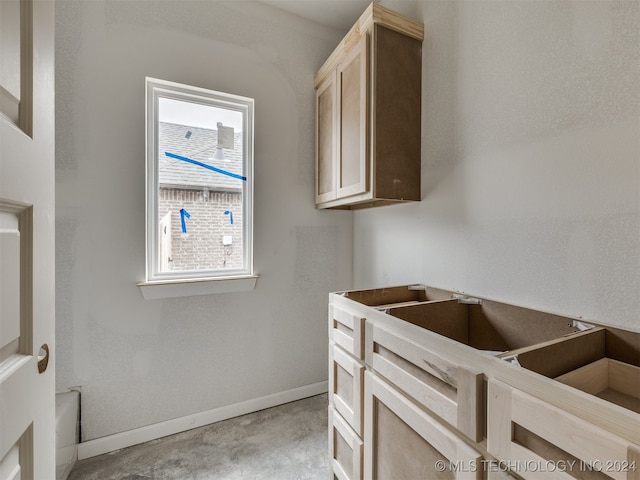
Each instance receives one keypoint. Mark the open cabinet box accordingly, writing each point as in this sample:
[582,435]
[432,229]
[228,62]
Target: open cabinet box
[524,388]
[390,297]
[490,327]
[602,361]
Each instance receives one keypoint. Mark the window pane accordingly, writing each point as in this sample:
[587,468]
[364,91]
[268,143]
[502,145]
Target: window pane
[201,186]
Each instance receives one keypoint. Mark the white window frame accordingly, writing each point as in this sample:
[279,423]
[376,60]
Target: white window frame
[194,282]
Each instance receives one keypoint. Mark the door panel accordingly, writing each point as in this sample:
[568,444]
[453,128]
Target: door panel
[403,442]
[326,110]
[345,449]
[346,377]
[9,285]
[27,400]
[353,131]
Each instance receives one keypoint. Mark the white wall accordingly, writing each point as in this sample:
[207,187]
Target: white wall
[140,362]
[531,160]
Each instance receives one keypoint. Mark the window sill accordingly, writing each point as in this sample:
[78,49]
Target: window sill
[196,286]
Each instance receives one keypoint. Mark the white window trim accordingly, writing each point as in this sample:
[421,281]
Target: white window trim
[197,286]
[179,284]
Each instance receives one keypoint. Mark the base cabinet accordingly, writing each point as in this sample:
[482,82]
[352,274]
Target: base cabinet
[429,384]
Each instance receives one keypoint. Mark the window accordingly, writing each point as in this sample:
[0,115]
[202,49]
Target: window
[199,186]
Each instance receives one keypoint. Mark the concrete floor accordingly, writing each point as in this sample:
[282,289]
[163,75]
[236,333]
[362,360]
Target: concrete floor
[288,442]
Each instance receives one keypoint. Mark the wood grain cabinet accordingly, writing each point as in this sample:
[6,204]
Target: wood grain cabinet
[345,449]
[346,388]
[403,442]
[368,104]
[539,440]
[432,384]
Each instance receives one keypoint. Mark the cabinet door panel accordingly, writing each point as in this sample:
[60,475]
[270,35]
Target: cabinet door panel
[543,441]
[353,121]
[402,442]
[346,376]
[345,449]
[326,139]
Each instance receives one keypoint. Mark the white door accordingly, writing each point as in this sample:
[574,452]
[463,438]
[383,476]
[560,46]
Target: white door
[27,387]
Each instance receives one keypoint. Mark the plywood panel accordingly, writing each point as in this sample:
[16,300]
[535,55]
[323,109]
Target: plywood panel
[517,326]
[564,354]
[447,317]
[397,133]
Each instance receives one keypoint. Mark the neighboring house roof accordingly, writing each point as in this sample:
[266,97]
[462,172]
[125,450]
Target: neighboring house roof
[200,146]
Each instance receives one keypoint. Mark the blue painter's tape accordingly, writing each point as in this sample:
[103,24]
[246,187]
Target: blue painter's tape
[183,214]
[227,212]
[204,165]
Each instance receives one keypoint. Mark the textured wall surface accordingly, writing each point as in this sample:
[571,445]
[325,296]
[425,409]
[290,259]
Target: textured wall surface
[531,160]
[141,362]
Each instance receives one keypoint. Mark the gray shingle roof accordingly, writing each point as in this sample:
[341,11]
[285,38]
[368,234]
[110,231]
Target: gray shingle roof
[201,147]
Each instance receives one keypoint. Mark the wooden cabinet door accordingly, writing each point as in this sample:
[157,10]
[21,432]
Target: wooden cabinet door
[346,377]
[345,449]
[539,440]
[353,90]
[403,442]
[326,139]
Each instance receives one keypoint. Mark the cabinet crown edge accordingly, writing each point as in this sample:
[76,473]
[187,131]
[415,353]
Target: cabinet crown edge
[374,14]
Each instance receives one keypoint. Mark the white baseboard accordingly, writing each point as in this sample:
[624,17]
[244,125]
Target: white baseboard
[110,443]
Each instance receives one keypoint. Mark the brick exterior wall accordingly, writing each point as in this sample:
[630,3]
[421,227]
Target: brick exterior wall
[201,247]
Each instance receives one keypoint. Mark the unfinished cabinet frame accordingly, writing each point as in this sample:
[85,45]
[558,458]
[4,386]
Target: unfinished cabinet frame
[377,73]
[525,431]
[595,361]
[415,445]
[346,382]
[453,392]
[541,387]
[345,449]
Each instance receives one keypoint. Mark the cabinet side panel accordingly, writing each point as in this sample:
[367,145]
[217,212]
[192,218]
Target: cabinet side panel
[397,100]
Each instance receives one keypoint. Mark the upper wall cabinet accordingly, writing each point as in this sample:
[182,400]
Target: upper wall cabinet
[368,99]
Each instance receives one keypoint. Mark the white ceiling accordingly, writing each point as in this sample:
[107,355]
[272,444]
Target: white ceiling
[339,14]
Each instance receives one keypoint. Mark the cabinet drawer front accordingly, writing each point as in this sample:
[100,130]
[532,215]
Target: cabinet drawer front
[402,442]
[453,392]
[543,441]
[346,381]
[345,449]
[347,330]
